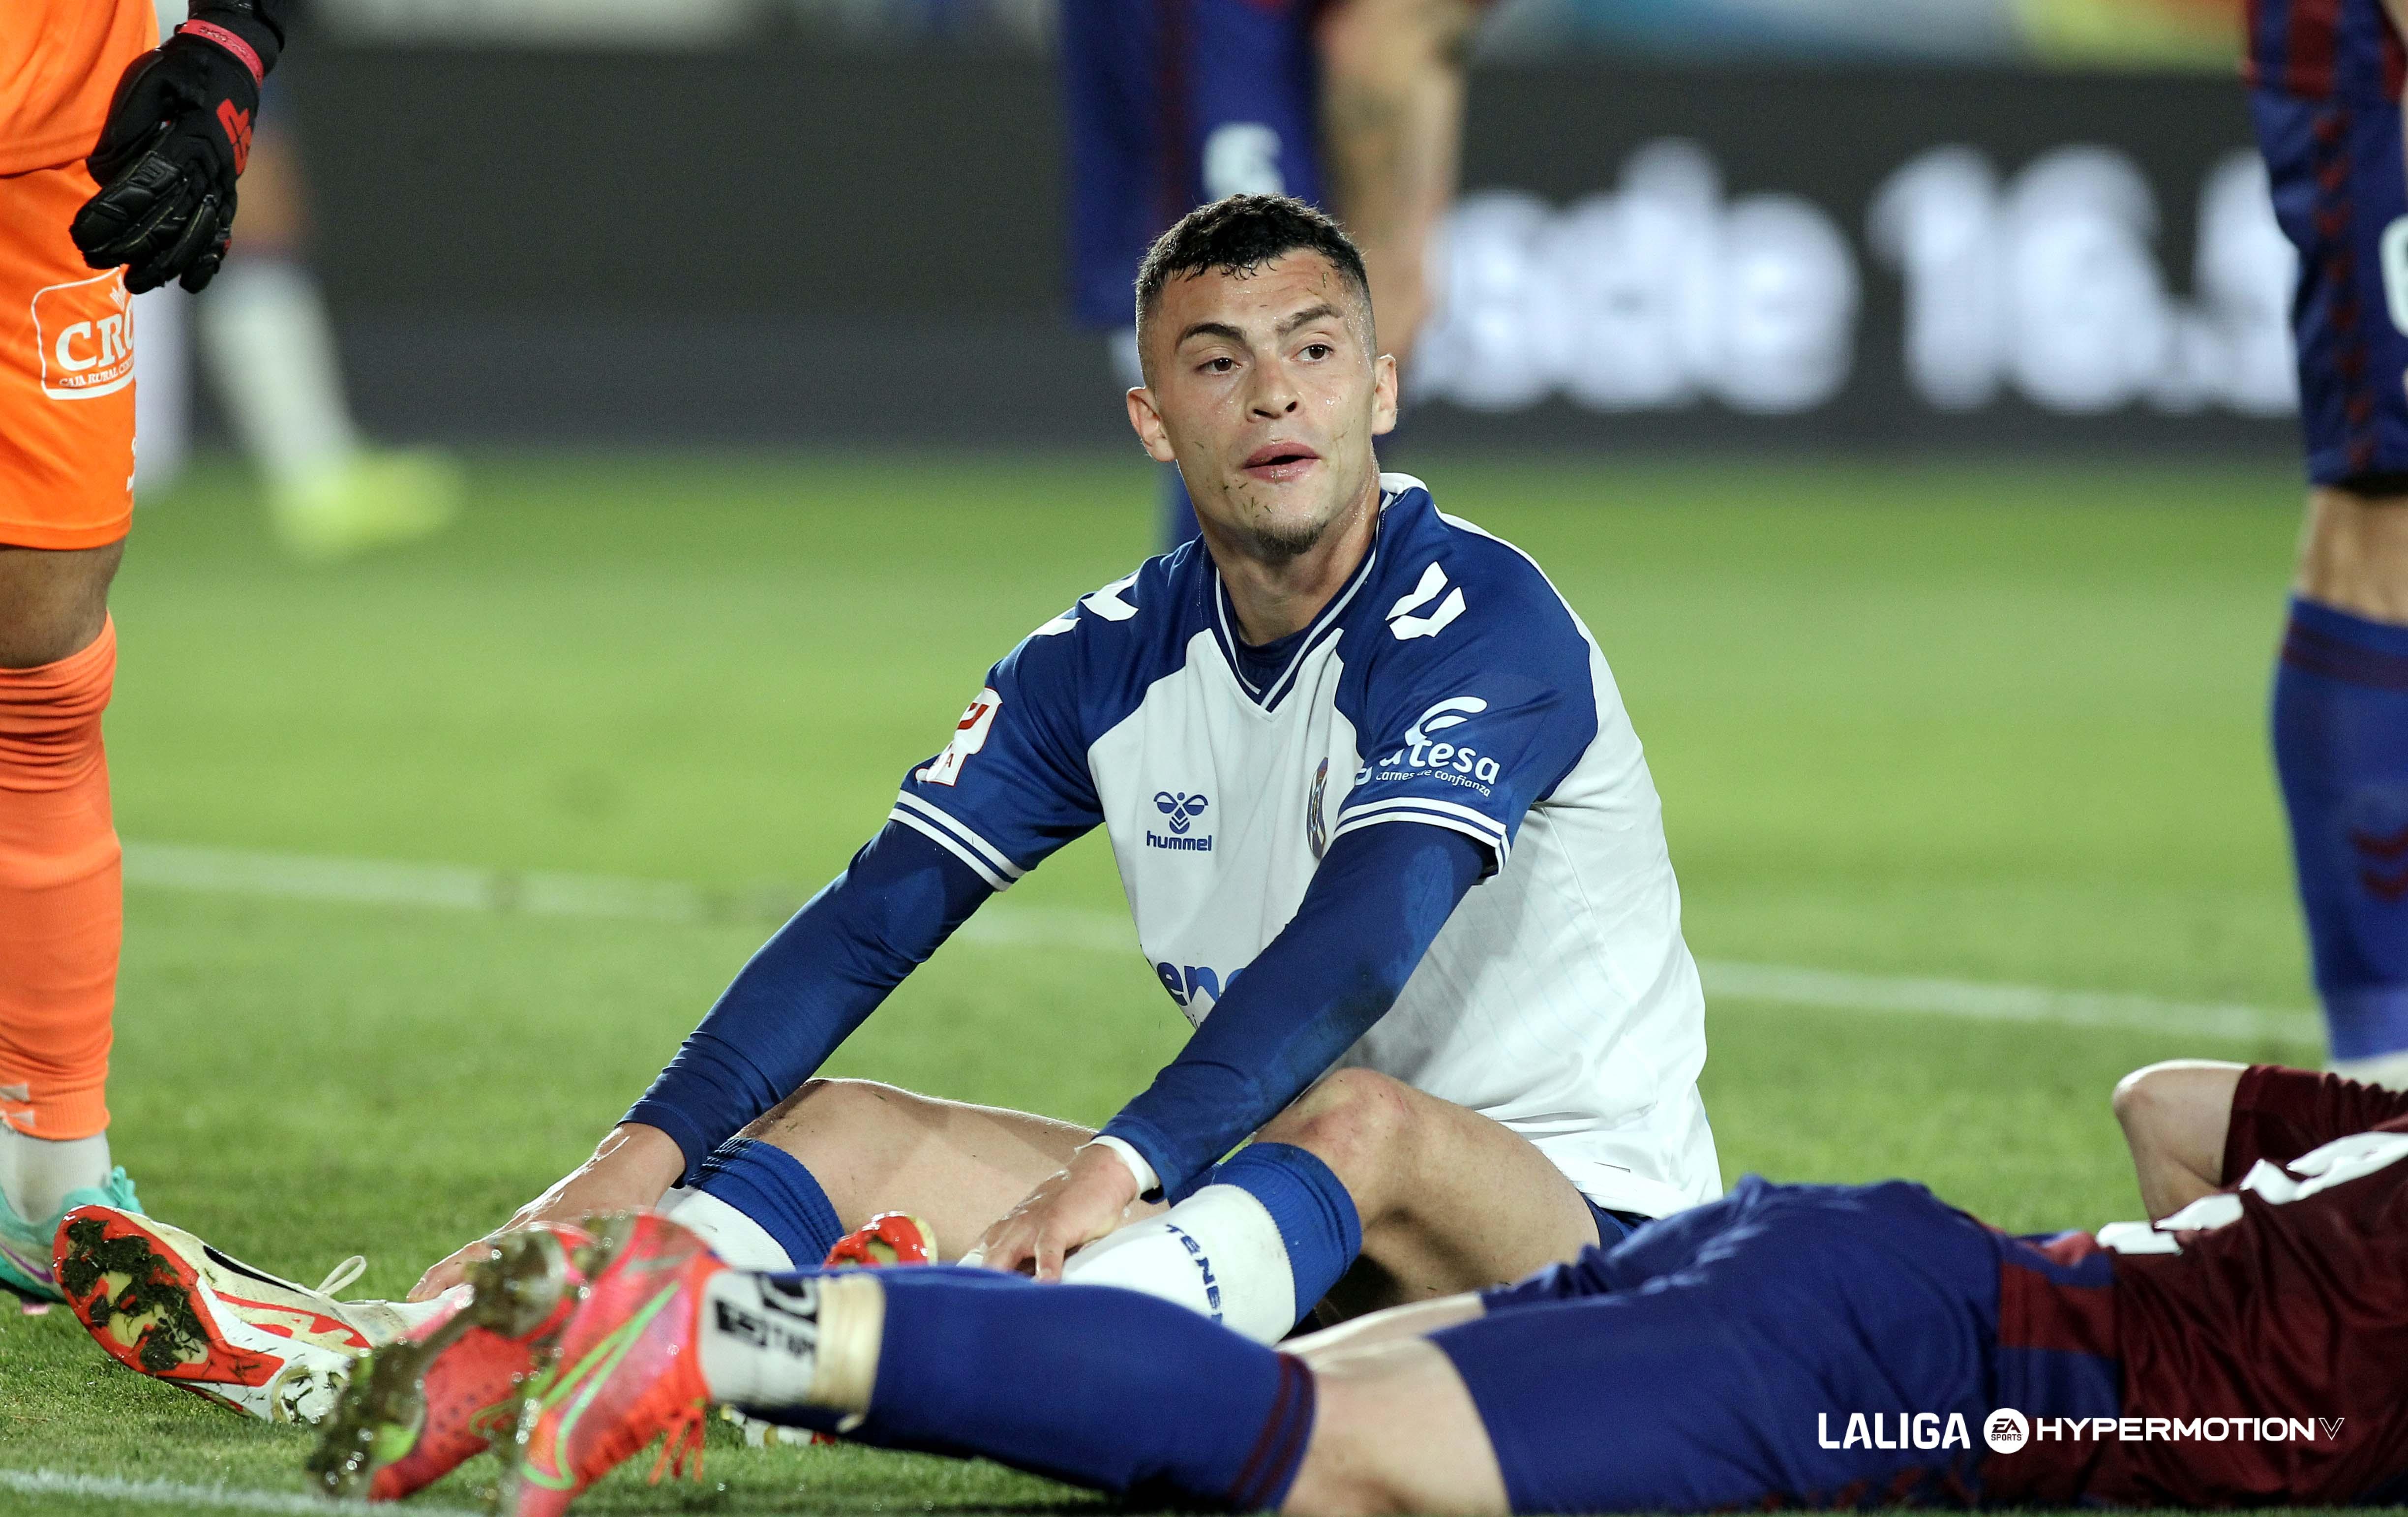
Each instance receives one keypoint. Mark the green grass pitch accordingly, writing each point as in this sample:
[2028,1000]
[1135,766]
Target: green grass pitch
[1996,723]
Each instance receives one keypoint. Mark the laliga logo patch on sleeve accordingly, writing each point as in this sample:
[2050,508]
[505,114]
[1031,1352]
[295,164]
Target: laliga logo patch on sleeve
[970,735]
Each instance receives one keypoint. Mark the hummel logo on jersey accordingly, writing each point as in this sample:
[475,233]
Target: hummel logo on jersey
[1407,626]
[1182,809]
[970,735]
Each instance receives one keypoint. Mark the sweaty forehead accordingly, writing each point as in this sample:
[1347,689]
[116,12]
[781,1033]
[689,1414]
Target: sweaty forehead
[1260,296]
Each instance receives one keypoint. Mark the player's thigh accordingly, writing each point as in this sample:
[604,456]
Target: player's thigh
[53,602]
[66,384]
[878,1148]
[1703,1390]
[1394,1430]
[1450,1200]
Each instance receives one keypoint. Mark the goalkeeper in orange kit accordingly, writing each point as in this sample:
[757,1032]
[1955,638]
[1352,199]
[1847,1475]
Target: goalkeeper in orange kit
[118,162]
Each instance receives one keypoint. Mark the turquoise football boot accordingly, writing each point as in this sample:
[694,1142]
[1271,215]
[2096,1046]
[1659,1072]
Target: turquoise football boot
[25,1248]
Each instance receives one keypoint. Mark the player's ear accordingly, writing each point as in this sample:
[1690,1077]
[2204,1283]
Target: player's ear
[1383,394]
[1148,422]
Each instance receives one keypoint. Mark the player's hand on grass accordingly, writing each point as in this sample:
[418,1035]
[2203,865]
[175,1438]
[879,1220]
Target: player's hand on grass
[1069,1209]
[177,134]
[634,1167]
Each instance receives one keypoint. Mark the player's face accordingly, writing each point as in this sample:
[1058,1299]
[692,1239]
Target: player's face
[1264,388]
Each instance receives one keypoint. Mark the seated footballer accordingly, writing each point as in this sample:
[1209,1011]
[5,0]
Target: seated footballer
[1388,839]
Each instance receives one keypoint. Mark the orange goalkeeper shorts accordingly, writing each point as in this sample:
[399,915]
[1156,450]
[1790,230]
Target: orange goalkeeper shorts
[66,373]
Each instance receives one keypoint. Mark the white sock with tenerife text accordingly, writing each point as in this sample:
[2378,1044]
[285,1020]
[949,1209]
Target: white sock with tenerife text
[785,1341]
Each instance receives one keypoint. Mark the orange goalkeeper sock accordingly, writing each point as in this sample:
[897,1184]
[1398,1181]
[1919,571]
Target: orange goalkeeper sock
[62,904]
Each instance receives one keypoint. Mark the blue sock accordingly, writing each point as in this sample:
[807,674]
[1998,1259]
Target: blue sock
[1314,1214]
[2340,747]
[1102,1387]
[770,1185]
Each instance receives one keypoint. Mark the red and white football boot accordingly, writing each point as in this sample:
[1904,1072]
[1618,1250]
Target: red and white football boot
[164,1304]
[625,1369]
[419,1407]
[890,1238]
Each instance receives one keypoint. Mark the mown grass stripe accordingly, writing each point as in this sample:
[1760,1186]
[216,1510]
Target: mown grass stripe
[542,892]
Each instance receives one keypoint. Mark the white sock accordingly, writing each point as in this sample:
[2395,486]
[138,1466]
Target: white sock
[271,350]
[737,1238]
[36,1173]
[1218,1254]
[806,1341]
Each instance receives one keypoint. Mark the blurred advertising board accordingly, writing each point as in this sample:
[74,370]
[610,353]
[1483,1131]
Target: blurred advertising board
[1941,255]
[787,243]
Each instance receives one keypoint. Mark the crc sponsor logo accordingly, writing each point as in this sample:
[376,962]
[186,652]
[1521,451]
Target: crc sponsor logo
[1424,756]
[2045,282]
[84,335]
[1180,811]
[970,735]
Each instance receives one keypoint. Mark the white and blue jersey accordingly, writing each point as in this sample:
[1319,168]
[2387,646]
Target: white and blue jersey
[1446,686]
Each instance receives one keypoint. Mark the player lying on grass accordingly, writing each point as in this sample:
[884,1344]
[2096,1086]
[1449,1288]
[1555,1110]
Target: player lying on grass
[1805,1345]
[1378,810]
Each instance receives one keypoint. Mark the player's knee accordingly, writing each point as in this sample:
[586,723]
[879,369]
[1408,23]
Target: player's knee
[1350,1120]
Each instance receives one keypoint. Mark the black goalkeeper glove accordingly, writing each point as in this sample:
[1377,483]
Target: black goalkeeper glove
[177,134]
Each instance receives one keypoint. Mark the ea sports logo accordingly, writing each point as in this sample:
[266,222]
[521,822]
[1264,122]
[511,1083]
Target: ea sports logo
[2005,1430]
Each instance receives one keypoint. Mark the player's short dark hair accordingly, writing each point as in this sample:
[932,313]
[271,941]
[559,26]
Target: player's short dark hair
[1239,233]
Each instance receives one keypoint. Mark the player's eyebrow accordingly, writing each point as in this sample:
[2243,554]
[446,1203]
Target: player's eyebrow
[1324,311]
[1211,329]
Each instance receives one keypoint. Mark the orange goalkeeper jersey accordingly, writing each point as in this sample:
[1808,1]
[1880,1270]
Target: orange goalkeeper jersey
[60,61]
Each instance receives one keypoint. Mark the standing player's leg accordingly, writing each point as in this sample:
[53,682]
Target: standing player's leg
[67,458]
[1170,106]
[2341,688]
[269,345]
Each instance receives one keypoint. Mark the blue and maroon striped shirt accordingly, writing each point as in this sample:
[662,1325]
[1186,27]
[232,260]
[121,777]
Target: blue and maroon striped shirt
[2325,50]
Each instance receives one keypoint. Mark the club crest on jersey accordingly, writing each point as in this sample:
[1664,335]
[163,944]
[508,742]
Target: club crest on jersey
[1316,833]
[970,735]
[1424,756]
[1180,811]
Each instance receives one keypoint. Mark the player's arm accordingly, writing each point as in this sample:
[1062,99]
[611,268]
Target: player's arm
[2197,1126]
[794,1002]
[178,137]
[1010,788]
[1375,907]
[2174,1117]
[1392,127]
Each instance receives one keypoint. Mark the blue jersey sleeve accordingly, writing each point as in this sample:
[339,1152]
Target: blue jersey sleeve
[1375,907]
[1479,698]
[1013,785]
[809,987]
